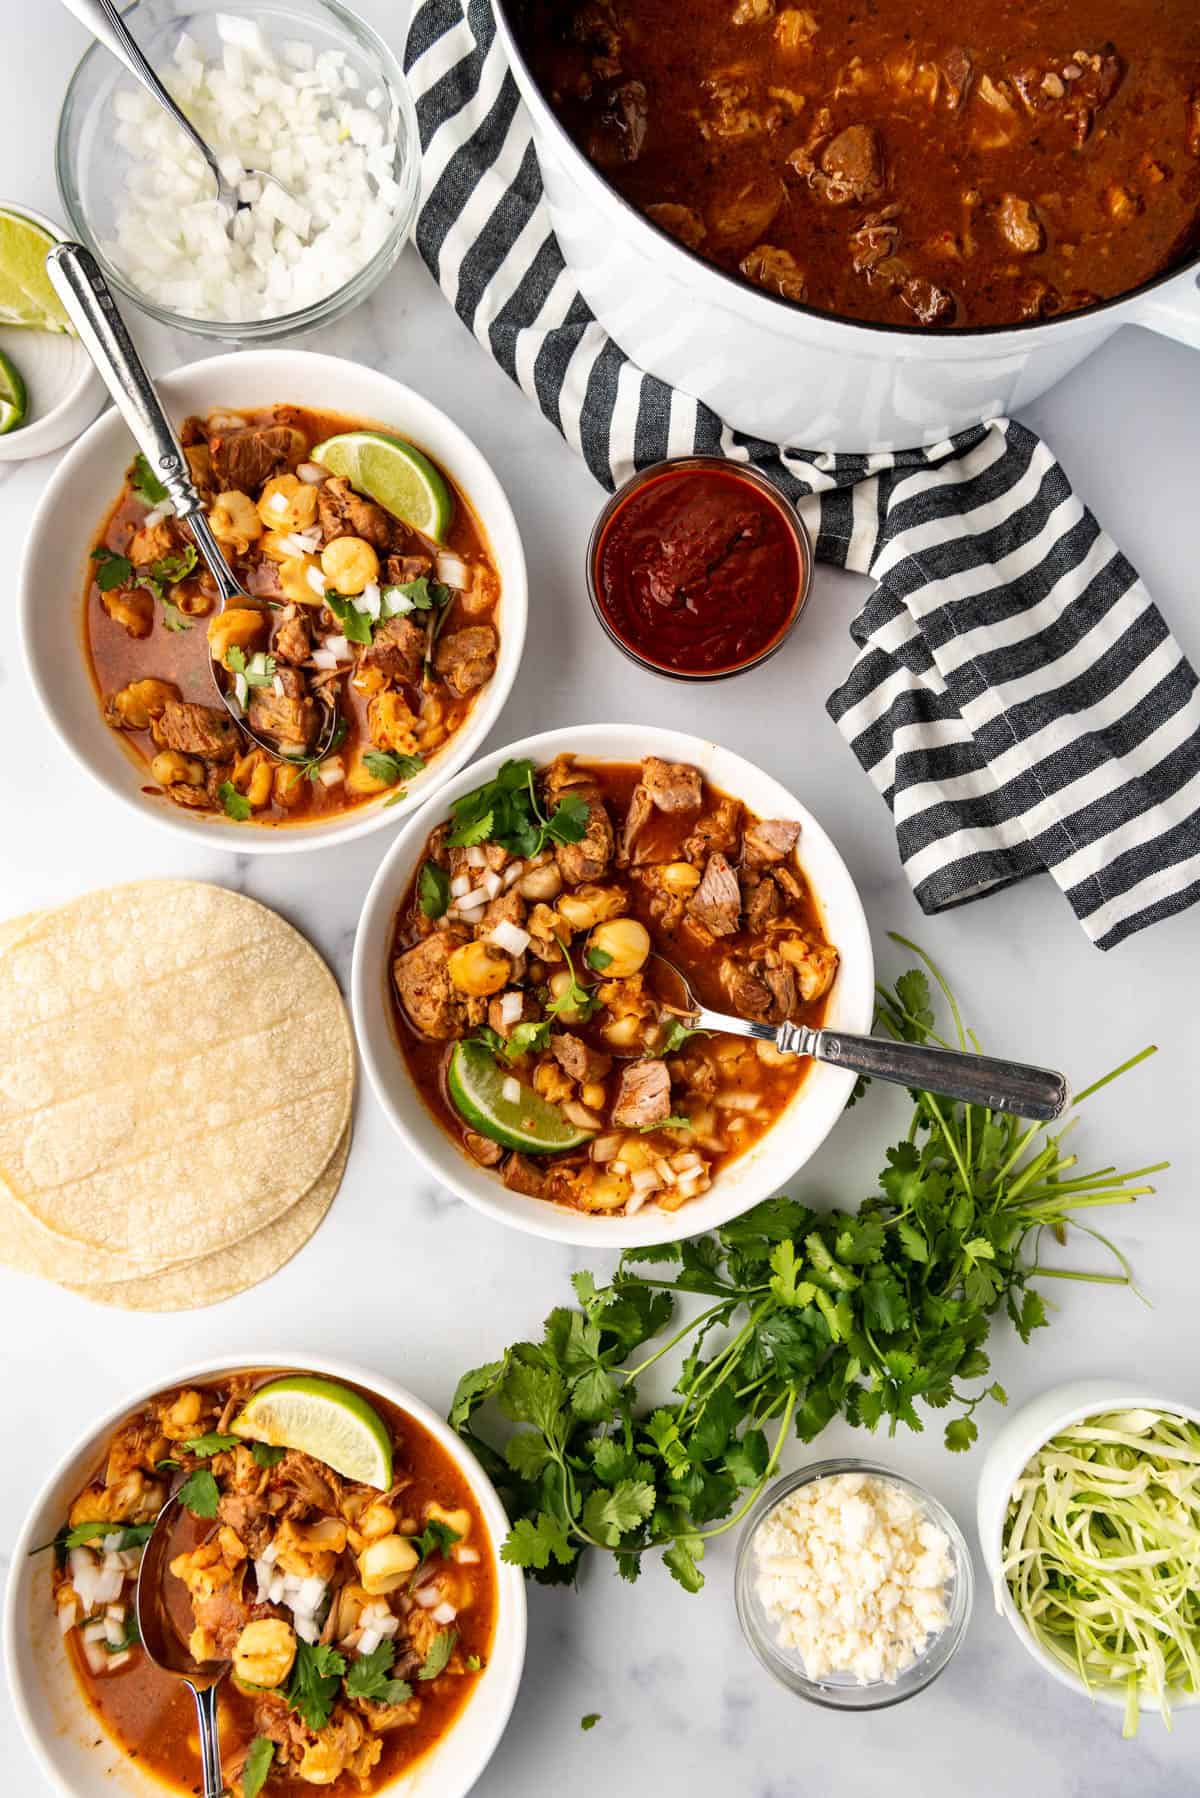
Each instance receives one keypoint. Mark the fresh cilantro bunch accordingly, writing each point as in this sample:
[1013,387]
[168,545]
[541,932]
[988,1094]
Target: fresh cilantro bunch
[807,1316]
[506,811]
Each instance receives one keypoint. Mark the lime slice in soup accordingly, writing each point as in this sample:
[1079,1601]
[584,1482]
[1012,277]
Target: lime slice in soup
[394,474]
[12,396]
[26,296]
[322,1419]
[486,1097]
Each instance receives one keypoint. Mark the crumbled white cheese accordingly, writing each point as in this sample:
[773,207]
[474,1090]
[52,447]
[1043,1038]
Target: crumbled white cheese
[853,1571]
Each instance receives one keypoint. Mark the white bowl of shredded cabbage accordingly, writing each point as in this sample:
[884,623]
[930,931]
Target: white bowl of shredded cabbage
[301,90]
[1089,1520]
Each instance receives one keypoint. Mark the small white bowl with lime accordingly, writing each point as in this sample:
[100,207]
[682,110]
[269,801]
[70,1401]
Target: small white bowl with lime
[49,391]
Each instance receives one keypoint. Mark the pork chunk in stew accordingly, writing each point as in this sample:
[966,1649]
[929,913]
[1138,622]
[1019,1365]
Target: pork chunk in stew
[532,995]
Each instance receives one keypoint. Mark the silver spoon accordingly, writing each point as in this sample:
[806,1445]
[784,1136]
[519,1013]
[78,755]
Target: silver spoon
[81,287]
[165,1649]
[106,25]
[1027,1092]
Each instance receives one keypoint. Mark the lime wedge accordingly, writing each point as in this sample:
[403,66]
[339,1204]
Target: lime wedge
[26,296]
[12,396]
[476,1081]
[322,1419]
[394,474]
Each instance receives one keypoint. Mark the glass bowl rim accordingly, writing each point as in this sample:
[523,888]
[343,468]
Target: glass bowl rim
[926,1668]
[330,305]
[720,465]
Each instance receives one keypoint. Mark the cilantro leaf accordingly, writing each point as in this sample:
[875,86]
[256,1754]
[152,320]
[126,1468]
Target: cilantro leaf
[528,1038]
[200,1493]
[388,767]
[356,626]
[598,959]
[173,618]
[133,1535]
[437,1538]
[961,1432]
[675,1035]
[576,1000]
[368,1677]
[170,569]
[590,1721]
[433,890]
[313,1686]
[256,1766]
[441,1649]
[675,1122]
[533,1541]
[235,805]
[143,480]
[111,569]
[212,1444]
[266,1454]
[611,1512]
[415,596]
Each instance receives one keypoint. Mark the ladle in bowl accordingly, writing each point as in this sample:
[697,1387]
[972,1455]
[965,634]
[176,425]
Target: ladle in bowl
[167,1651]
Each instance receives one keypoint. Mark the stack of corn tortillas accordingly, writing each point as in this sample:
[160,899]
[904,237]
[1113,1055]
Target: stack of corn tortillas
[176,1087]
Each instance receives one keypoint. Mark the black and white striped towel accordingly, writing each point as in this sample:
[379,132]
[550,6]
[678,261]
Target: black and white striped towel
[1017,698]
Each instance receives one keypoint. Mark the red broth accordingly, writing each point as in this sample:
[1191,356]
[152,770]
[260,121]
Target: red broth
[699,570]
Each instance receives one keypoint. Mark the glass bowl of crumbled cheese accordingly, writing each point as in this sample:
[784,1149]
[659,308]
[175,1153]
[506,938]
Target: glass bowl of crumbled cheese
[301,90]
[853,1585]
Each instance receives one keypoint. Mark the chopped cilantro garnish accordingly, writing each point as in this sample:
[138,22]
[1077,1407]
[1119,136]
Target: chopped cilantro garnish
[259,1758]
[312,1688]
[200,1493]
[385,765]
[143,480]
[213,1444]
[414,596]
[368,1677]
[437,1538]
[235,805]
[439,1654]
[266,1454]
[506,811]
[433,890]
[173,618]
[576,999]
[112,570]
[598,959]
[133,1535]
[175,568]
[356,626]
[590,1721]
[671,1123]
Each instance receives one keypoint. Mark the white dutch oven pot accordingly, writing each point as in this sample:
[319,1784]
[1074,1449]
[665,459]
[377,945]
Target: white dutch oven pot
[786,372]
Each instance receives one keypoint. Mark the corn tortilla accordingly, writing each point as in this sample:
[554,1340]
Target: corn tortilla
[176,1070]
[212,1278]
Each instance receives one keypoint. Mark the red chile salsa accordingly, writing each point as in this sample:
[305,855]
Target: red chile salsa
[699,571]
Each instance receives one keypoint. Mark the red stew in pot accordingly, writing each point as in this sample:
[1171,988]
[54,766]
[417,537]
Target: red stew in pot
[699,569]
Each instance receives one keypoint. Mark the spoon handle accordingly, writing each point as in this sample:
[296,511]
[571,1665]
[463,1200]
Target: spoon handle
[106,25]
[1012,1086]
[210,1741]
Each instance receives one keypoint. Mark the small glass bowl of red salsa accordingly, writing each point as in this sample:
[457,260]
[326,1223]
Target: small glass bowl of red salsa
[698,568]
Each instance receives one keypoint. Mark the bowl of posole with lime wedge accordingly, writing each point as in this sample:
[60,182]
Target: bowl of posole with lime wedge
[333,1544]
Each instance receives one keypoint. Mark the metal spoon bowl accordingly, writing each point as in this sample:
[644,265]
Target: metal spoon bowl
[106,25]
[1011,1086]
[85,294]
[167,1651]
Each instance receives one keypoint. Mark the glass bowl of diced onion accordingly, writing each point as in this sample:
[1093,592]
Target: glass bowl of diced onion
[302,89]
[762,1562]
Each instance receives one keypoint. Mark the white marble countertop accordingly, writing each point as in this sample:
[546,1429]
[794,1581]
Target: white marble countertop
[404,1278]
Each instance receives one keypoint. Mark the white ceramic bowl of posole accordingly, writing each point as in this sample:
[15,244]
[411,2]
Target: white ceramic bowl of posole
[75,1755]
[1022,1435]
[765,1168]
[64,392]
[85,485]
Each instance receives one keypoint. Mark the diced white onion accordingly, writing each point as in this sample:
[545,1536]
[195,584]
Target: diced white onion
[511,1007]
[68,1611]
[511,1090]
[278,502]
[666,1172]
[428,1596]
[324,658]
[646,1180]
[686,1162]
[476,899]
[312,473]
[95,1653]
[311,1592]
[445,1613]
[634,1203]
[164,509]
[111,1544]
[605,1148]
[262,1573]
[476,857]
[277,686]
[492,881]
[270,1554]
[459,885]
[470,914]
[468,1556]
[618,1167]
[331,771]
[306,1627]
[368,600]
[108,1586]
[339,648]
[316,581]
[579,1114]
[117,1660]
[278,1587]
[731,1101]
[452,572]
[513,873]
[510,937]
[368,1641]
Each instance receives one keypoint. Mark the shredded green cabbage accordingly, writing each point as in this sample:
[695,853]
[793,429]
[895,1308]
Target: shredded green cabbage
[1101,1553]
